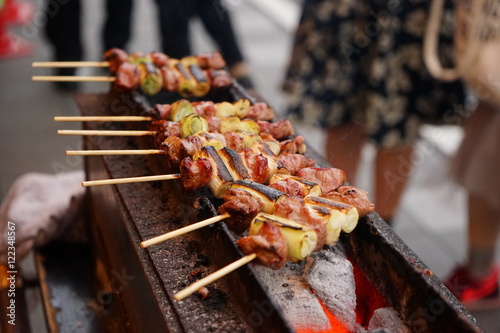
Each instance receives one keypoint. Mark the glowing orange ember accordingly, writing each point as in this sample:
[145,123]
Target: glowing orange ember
[335,324]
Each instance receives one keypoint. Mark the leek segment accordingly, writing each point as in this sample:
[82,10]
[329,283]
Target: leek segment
[150,78]
[349,213]
[225,109]
[249,126]
[241,108]
[181,109]
[300,239]
[202,86]
[191,124]
[351,221]
[249,138]
[233,123]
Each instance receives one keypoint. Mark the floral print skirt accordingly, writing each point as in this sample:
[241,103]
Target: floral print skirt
[361,61]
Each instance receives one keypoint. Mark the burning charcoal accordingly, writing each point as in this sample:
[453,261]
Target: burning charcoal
[331,275]
[388,319]
[291,292]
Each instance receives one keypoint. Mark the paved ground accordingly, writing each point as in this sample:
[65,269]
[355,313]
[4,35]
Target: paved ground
[431,219]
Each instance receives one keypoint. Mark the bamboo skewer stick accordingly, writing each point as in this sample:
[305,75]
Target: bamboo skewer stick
[74,78]
[68,64]
[114,152]
[184,230]
[102,118]
[213,277]
[106,133]
[130,180]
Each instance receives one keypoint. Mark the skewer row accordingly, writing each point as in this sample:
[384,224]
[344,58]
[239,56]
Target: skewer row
[255,233]
[189,76]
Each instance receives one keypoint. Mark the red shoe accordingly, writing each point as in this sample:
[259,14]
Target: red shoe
[475,294]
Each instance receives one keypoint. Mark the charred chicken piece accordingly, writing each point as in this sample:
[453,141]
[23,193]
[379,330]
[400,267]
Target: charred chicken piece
[127,77]
[353,196]
[115,57]
[294,186]
[295,162]
[328,178]
[165,129]
[268,244]
[242,207]
[159,112]
[278,130]
[259,167]
[260,111]
[171,78]
[293,146]
[211,60]
[219,78]
[178,149]
[205,108]
[195,174]
[159,59]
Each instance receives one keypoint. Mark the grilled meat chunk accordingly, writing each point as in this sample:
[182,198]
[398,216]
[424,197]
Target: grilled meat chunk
[205,108]
[171,78]
[295,162]
[158,59]
[328,178]
[268,244]
[279,130]
[115,57]
[127,77]
[195,174]
[353,196]
[242,207]
[211,60]
[219,78]
[260,111]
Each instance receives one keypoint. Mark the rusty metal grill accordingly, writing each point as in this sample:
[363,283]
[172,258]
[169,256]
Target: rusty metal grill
[123,215]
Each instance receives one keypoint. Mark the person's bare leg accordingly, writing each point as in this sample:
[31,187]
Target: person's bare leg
[343,148]
[392,171]
[483,234]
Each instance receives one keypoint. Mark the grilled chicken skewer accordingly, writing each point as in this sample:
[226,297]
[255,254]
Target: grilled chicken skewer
[183,118]
[213,167]
[189,76]
[272,241]
[327,217]
[181,108]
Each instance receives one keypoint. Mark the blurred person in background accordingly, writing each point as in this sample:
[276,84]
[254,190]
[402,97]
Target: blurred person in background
[174,17]
[357,71]
[475,282]
[64,32]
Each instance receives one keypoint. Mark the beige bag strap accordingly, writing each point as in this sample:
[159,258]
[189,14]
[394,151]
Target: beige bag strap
[464,60]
